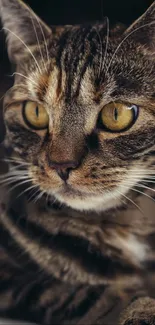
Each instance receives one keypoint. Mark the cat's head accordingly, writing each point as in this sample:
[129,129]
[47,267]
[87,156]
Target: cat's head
[81,113]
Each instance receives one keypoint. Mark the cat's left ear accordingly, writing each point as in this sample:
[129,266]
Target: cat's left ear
[143,29]
[22,27]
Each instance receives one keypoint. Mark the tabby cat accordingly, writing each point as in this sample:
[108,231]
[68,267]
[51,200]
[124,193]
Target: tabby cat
[77,231]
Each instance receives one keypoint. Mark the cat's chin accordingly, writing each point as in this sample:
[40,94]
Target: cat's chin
[85,202]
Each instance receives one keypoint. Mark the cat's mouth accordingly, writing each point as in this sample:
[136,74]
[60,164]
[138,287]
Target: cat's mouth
[69,190]
[82,200]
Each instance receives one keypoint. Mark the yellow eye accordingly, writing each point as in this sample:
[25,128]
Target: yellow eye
[35,116]
[117,117]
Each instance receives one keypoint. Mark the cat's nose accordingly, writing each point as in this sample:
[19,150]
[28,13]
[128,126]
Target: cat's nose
[63,169]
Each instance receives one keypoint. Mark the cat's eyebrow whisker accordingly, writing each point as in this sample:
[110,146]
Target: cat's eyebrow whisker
[44,38]
[7,29]
[40,49]
[22,75]
[106,48]
[124,39]
[126,197]
[100,67]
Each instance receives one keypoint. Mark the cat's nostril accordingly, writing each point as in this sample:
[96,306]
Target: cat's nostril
[63,169]
[63,173]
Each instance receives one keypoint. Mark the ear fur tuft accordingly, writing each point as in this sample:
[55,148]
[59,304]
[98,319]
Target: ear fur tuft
[22,27]
[143,29]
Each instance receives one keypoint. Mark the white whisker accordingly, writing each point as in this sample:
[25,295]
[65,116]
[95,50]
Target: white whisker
[143,186]
[130,200]
[107,41]
[143,174]
[124,39]
[140,192]
[149,179]
[22,75]
[26,190]
[34,195]
[39,196]
[19,184]
[44,38]
[7,29]
[101,57]
[40,49]
[115,196]
[16,160]
[14,173]
[17,165]
[12,180]
[142,170]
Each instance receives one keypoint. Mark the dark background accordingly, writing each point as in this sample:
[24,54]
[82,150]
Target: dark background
[77,11]
[59,12]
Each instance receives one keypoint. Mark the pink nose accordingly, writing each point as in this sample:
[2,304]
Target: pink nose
[63,169]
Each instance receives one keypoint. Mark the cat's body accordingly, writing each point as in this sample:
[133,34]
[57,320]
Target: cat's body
[58,270]
[81,127]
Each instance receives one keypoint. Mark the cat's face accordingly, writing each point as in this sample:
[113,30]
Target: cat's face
[81,114]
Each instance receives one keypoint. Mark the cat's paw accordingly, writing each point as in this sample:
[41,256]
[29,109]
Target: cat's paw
[140,312]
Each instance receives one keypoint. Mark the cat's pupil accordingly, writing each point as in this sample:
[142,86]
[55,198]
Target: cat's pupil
[115,114]
[37,111]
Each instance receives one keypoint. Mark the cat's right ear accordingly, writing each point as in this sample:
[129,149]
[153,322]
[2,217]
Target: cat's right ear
[23,28]
[143,29]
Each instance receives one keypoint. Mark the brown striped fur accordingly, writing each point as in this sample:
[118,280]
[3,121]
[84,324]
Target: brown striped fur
[78,252]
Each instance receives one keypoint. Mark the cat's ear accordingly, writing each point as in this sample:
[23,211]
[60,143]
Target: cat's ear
[143,29]
[22,27]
